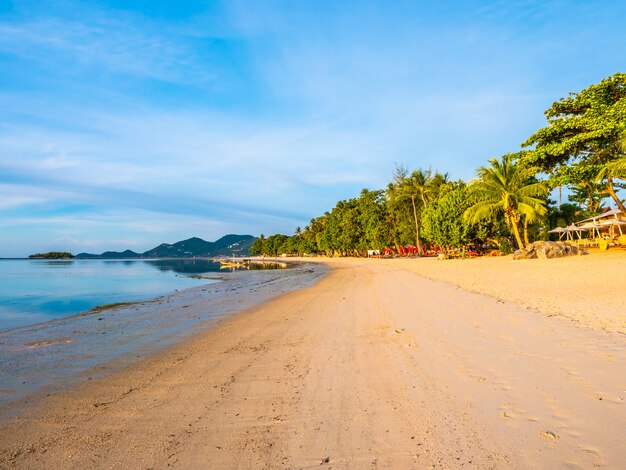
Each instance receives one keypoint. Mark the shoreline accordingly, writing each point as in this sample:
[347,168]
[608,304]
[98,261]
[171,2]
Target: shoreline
[50,356]
[373,365]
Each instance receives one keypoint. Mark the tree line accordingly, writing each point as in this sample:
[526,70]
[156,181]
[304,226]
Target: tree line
[52,255]
[582,147]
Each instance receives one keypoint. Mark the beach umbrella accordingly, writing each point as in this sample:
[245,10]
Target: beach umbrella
[611,213]
[559,230]
[619,223]
[571,229]
[590,226]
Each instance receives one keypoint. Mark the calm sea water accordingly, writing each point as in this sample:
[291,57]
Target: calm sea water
[34,291]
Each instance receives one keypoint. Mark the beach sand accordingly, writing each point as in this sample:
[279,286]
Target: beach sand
[589,290]
[375,366]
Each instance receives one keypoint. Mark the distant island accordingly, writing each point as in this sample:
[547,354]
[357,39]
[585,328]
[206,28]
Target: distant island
[52,255]
[228,245]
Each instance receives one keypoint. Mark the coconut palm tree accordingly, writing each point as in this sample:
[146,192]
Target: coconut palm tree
[437,182]
[614,170]
[415,187]
[507,189]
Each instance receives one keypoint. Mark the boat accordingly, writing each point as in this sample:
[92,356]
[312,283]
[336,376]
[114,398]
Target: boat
[234,263]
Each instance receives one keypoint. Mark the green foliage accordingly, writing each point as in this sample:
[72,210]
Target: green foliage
[270,246]
[508,190]
[52,255]
[583,146]
[258,246]
[408,195]
[565,215]
[443,222]
[504,245]
[584,136]
[615,169]
[373,218]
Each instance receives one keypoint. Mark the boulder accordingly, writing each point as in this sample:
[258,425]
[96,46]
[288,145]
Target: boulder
[524,254]
[545,250]
[550,250]
[536,245]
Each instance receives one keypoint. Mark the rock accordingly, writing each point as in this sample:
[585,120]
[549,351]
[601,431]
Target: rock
[538,244]
[529,252]
[522,254]
[546,250]
[550,250]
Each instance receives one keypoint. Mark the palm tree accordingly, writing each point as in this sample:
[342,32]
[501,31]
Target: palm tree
[437,182]
[506,188]
[614,170]
[416,187]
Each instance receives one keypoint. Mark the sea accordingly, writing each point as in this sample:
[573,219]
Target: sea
[51,336]
[35,291]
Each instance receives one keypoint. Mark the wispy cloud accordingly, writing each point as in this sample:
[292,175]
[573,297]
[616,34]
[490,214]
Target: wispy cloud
[256,117]
[13,201]
[118,43]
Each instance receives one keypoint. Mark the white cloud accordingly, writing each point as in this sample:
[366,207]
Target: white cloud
[118,43]
[255,118]
[13,201]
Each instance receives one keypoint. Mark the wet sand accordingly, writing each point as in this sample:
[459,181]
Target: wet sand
[374,366]
[56,353]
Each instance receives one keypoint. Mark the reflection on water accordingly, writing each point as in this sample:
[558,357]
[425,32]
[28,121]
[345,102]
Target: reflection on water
[267,265]
[32,291]
[184,266]
[55,262]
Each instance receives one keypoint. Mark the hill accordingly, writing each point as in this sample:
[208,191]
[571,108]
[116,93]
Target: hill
[228,245]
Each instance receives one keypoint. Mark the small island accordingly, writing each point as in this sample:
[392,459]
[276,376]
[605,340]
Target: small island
[52,255]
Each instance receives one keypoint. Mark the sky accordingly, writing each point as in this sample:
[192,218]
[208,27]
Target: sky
[127,123]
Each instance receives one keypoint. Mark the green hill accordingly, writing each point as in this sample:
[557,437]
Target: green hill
[228,245]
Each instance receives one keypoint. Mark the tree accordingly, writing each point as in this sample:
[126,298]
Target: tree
[563,215]
[443,222]
[417,187]
[503,189]
[614,170]
[274,243]
[258,246]
[373,219]
[585,132]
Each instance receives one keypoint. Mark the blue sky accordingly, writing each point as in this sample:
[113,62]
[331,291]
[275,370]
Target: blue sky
[127,123]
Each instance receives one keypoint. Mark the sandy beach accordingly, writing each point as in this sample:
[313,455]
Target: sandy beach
[484,363]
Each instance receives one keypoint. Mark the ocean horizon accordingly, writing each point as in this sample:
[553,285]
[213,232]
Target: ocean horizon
[37,290]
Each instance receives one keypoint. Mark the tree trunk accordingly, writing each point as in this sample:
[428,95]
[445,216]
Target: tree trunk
[513,221]
[417,230]
[517,236]
[612,193]
[526,242]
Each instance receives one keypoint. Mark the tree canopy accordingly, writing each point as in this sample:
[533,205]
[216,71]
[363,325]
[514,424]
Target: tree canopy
[506,187]
[584,135]
[583,147]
